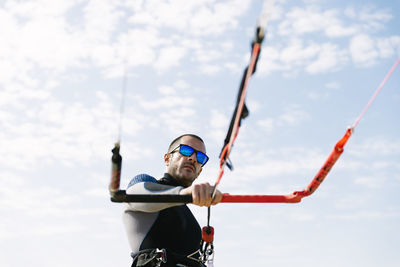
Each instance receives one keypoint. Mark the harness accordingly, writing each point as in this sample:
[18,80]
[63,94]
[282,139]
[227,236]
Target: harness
[163,257]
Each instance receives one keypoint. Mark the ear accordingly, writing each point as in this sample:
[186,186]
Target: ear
[167,158]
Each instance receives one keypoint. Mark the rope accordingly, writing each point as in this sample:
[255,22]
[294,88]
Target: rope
[376,92]
[116,160]
[122,104]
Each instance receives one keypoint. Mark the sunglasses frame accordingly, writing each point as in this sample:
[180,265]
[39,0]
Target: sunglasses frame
[194,151]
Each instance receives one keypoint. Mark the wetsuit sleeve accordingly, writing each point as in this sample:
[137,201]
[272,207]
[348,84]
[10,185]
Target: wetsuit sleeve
[146,184]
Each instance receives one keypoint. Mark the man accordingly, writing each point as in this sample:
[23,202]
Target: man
[167,234]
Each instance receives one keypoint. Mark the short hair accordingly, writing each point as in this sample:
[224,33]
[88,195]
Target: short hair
[175,142]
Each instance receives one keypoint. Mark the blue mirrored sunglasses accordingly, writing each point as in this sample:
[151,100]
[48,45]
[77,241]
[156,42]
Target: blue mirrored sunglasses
[187,151]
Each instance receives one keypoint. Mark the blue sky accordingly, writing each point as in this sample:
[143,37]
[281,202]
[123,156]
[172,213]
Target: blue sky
[61,75]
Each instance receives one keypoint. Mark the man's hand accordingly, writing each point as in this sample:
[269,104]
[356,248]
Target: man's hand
[201,194]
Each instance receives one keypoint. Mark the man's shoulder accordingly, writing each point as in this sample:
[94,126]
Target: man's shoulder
[140,178]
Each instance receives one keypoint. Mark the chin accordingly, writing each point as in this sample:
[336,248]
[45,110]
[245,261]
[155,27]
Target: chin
[187,180]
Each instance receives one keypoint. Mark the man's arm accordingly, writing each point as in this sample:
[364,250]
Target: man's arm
[146,184]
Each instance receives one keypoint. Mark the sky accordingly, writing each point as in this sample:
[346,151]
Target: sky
[62,71]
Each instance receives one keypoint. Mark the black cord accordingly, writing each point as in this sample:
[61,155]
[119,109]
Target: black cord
[208,219]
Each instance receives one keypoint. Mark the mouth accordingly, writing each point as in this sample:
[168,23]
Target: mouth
[189,166]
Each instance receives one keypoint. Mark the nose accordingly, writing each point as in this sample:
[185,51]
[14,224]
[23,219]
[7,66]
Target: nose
[193,157]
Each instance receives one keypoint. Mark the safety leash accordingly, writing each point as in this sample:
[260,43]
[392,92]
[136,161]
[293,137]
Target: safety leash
[206,244]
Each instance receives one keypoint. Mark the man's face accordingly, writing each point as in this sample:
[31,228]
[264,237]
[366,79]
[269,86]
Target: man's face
[182,168]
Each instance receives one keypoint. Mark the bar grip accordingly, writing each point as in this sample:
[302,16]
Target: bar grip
[121,196]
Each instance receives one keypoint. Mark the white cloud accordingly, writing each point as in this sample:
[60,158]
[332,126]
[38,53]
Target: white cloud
[178,119]
[372,182]
[297,46]
[101,19]
[376,146]
[209,69]
[253,105]
[206,55]
[169,57]
[138,46]
[218,119]
[267,124]
[333,85]
[181,84]
[219,124]
[56,131]
[373,18]
[366,50]
[275,171]
[233,67]
[330,58]
[192,17]
[389,46]
[174,112]
[300,21]
[302,216]
[339,30]
[178,87]
[296,54]
[166,90]
[331,22]
[313,57]
[270,61]
[33,9]
[362,49]
[323,93]
[366,215]
[352,201]
[292,116]
[167,102]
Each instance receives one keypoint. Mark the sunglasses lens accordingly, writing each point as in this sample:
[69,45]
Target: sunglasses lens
[201,158]
[186,150]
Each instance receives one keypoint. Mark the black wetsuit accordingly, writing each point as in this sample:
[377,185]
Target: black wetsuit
[169,226]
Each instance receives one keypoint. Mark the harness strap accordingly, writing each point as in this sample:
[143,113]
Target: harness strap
[150,258]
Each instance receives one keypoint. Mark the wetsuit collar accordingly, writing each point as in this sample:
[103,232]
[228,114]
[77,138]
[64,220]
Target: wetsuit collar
[169,180]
